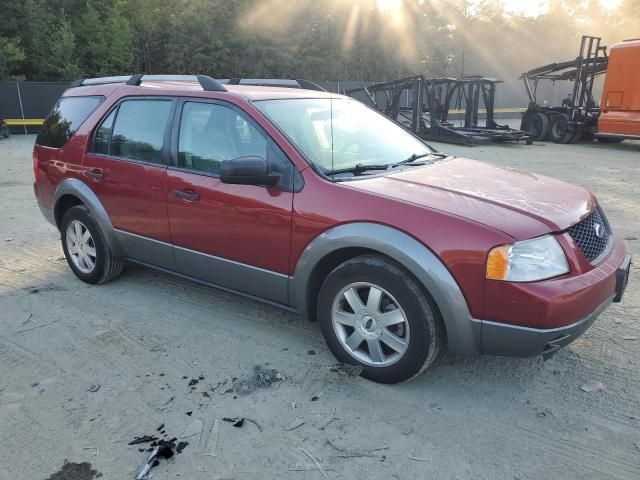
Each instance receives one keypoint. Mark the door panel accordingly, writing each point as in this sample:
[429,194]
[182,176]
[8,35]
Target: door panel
[133,194]
[237,236]
[127,171]
[243,223]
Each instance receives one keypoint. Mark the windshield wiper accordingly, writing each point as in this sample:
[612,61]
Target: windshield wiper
[416,156]
[359,168]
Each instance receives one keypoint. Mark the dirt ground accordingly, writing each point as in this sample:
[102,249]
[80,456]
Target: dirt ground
[85,369]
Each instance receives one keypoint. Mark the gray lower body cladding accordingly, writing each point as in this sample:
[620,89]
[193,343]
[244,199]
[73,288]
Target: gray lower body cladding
[516,341]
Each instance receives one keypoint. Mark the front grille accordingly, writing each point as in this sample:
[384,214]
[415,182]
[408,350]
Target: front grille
[585,234]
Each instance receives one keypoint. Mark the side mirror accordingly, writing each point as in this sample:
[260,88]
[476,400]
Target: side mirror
[247,171]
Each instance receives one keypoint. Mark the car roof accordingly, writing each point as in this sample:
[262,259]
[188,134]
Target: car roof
[188,88]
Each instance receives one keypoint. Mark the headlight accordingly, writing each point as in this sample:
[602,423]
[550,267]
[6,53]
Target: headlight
[527,261]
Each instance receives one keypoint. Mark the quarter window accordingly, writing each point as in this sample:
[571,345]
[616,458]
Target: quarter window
[65,118]
[211,133]
[138,131]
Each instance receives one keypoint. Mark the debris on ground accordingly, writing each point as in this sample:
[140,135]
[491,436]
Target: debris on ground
[94,388]
[144,439]
[148,464]
[189,413]
[194,428]
[315,398]
[261,378]
[345,369]
[212,444]
[311,352]
[318,466]
[631,237]
[592,386]
[236,422]
[75,471]
[418,459]
[298,422]
[181,446]
[629,337]
[26,320]
[49,287]
[159,448]
[348,453]
[193,382]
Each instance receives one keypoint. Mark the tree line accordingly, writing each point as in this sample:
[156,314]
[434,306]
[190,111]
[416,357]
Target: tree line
[60,40]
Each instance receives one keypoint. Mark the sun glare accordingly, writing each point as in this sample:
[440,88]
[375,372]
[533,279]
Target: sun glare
[388,5]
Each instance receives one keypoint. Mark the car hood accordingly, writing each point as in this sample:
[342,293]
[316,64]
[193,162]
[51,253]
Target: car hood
[520,204]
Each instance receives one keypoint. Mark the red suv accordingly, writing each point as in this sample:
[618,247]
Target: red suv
[318,204]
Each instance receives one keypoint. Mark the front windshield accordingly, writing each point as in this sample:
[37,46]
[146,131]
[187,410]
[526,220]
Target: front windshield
[340,133]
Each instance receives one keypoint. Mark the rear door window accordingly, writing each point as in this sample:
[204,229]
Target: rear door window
[139,130]
[65,119]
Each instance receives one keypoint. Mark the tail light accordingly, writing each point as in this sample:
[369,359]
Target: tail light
[36,167]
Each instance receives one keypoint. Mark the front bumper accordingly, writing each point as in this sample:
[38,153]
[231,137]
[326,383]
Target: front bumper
[515,341]
[521,341]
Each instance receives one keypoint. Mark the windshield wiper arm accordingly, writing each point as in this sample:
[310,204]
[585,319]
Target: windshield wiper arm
[358,168]
[416,156]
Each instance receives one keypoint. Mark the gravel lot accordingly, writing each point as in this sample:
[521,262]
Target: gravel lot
[85,369]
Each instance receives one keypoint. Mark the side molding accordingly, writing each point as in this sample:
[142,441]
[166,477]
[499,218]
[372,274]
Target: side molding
[75,187]
[462,334]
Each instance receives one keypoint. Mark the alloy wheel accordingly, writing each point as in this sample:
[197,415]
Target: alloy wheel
[81,246]
[370,324]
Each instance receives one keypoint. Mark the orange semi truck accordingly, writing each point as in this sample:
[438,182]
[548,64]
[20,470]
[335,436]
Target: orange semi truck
[615,118]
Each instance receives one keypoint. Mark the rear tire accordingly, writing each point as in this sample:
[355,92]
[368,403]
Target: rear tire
[375,315]
[85,248]
[559,131]
[537,125]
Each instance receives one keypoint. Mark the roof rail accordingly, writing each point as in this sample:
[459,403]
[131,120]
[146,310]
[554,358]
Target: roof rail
[274,82]
[207,83]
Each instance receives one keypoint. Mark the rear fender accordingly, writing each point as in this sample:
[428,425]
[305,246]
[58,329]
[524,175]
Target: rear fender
[78,189]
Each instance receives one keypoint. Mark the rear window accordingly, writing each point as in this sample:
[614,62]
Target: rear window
[65,118]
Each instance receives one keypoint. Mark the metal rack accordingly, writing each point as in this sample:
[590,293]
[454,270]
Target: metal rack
[431,103]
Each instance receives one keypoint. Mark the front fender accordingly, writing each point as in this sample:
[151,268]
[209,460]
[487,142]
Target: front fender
[462,333]
[80,190]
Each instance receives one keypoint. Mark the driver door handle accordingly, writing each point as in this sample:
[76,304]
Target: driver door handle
[95,173]
[189,195]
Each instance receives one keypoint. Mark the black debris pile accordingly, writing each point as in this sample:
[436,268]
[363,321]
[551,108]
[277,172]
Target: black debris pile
[158,449]
[261,377]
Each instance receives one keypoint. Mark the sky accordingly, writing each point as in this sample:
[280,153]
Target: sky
[537,7]
[530,8]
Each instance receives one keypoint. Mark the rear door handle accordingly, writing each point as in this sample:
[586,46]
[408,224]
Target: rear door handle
[95,173]
[186,195]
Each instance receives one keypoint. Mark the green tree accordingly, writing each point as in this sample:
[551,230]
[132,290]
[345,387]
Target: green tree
[62,63]
[11,58]
[111,47]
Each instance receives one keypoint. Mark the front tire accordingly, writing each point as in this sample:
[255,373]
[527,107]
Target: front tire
[373,314]
[85,248]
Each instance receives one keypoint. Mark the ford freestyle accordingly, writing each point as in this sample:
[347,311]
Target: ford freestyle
[316,203]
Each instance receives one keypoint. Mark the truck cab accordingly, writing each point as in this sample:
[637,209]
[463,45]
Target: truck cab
[620,103]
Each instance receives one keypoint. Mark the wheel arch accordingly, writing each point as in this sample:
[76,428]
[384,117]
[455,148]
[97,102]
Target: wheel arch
[346,241]
[71,192]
